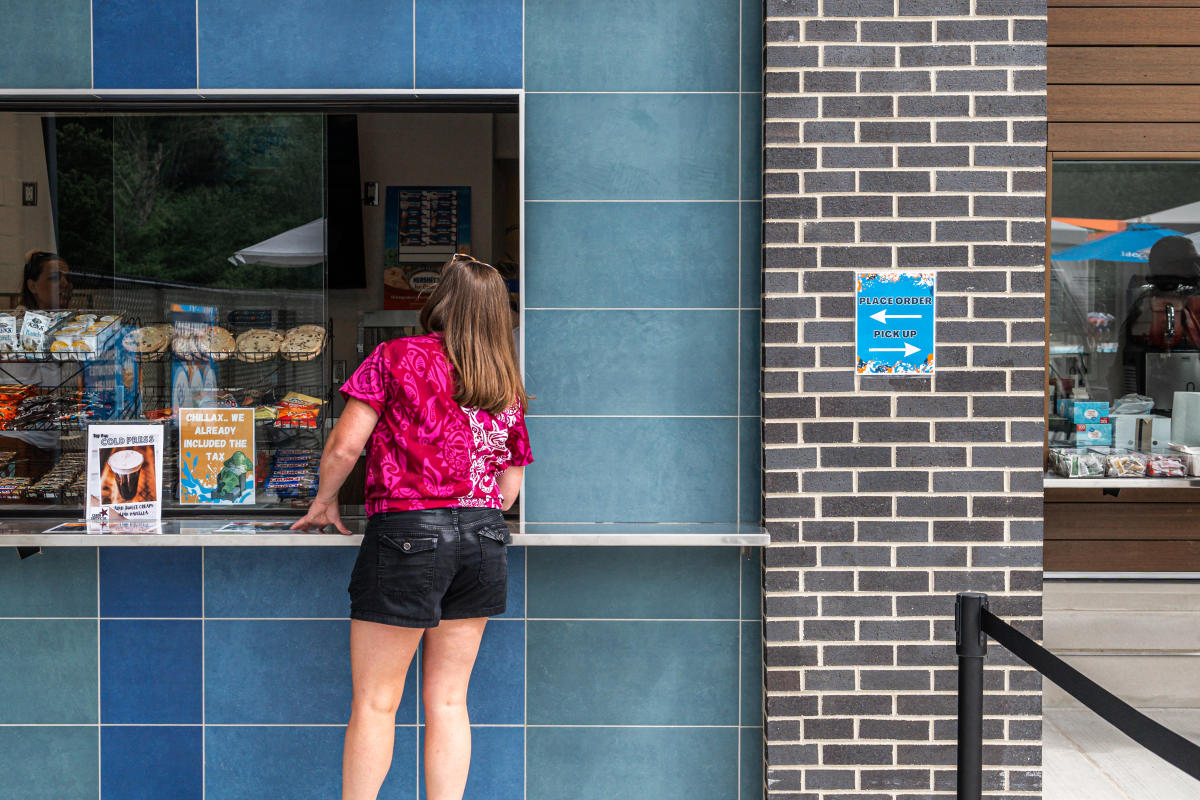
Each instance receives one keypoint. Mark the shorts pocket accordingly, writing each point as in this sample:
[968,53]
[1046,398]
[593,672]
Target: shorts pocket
[406,564]
[493,559]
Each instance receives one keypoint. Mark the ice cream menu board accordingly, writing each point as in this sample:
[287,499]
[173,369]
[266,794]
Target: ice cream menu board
[216,455]
[424,226]
[124,472]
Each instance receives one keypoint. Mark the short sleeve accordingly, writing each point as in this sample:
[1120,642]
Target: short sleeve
[369,381]
[519,450]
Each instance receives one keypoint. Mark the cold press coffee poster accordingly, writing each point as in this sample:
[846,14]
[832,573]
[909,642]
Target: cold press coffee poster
[216,455]
[124,473]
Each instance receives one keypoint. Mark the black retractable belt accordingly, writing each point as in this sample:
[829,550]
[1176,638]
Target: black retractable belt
[1162,741]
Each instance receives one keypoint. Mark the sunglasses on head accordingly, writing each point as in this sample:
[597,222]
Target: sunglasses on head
[469,259]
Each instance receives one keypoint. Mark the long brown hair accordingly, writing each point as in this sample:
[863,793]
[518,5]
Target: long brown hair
[469,306]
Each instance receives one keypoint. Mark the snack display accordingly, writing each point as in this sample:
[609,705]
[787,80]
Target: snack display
[1120,463]
[297,410]
[294,474]
[302,343]
[258,344]
[1078,463]
[82,337]
[1165,465]
[59,478]
[13,488]
[148,343]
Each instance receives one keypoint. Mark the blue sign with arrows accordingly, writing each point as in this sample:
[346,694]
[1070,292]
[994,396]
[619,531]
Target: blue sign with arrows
[894,322]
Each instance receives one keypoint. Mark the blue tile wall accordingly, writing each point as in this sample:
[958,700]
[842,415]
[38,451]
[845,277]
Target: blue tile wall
[253,703]
[150,581]
[58,582]
[46,45]
[142,45]
[468,44]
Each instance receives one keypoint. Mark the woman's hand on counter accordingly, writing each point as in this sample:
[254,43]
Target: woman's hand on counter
[320,514]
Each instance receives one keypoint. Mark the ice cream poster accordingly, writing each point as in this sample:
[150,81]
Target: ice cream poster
[216,455]
[124,472]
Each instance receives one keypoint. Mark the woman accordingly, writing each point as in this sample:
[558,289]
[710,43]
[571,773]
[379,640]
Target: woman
[44,283]
[444,417]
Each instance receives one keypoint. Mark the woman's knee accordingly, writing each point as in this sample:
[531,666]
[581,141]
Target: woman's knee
[444,700]
[381,700]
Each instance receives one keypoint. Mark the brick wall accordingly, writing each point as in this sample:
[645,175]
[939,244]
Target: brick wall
[900,133]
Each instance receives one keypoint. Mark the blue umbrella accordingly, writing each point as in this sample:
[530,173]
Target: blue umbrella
[1131,244]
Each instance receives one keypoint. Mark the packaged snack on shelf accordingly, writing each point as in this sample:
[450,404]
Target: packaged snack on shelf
[1122,463]
[1190,457]
[1080,463]
[9,327]
[297,410]
[35,330]
[1089,435]
[85,335]
[12,488]
[1166,465]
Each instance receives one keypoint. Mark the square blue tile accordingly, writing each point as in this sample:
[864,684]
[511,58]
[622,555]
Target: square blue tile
[515,603]
[298,44]
[50,763]
[607,469]
[496,694]
[50,672]
[263,581]
[468,44]
[632,673]
[58,582]
[751,255]
[750,470]
[751,146]
[752,764]
[631,146]
[297,763]
[752,661]
[634,582]
[638,362]
[752,45]
[497,764]
[140,45]
[150,581]
[749,363]
[150,763]
[253,668]
[608,763]
[632,255]
[667,45]
[46,45]
[751,563]
[150,671]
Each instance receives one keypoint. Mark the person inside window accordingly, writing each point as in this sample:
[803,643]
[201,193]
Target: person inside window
[45,283]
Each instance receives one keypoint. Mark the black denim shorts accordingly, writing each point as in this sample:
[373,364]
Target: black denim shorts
[416,568]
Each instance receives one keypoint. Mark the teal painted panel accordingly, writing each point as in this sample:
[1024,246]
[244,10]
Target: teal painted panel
[632,470]
[635,362]
[752,764]
[631,45]
[751,146]
[631,255]
[752,44]
[751,255]
[297,763]
[750,479]
[632,673]
[261,582]
[752,661]
[751,562]
[46,45]
[749,340]
[56,763]
[634,582]
[627,763]
[58,582]
[631,146]
[50,672]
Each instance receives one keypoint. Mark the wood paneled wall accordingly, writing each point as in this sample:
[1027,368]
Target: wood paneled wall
[1116,66]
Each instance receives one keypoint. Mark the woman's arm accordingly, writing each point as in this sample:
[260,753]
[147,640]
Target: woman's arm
[342,449]
[510,485]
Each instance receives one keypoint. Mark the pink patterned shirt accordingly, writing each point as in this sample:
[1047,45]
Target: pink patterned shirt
[427,451]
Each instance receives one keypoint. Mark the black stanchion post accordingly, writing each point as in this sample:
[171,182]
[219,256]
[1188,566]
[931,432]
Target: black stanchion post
[971,645]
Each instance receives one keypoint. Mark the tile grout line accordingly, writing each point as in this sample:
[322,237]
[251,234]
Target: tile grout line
[414,45]
[99,719]
[738,385]
[198,61]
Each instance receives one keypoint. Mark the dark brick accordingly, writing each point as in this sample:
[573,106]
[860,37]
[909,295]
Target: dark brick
[894,630]
[971,181]
[856,456]
[894,81]
[940,105]
[972,80]
[856,206]
[931,506]
[824,30]
[893,431]
[970,332]
[790,656]
[1008,307]
[1027,457]
[788,56]
[780,433]
[829,81]
[791,8]
[829,280]
[829,729]
[972,132]
[1020,105]
[855,556]
[791,705]
[1008,206]
[829,580]
[892,531]
[934,206]
[893,181]
[973,281]
[900,581]
[934,8]
[785,481]
[826,630]
[894,31]
[938,156]
[894,132]
[942,556]
[972,30]
[1010,255]
[793,606]
[1008,506]
[895,729]
[1029,232]
[782,31]
[828,382]
[857,754]
[790,458]
[789,158]
[1010,356]
[931,406]
[789,508]
[833,157]
[855,506]
[857,107]
[822,432]
[935,56]
[816,780]
[1029,131]
[969,431]
[894,232]
[1005,55]
[823,530]
[856,606]
[951,306]
[789,207]
[781,233]
[781,132]
[790,107]
[859,56]
[931,457]
[1029,80]
[954,581]
[782,82]
[830,132]
[932,256]
[968,481]
[972,231]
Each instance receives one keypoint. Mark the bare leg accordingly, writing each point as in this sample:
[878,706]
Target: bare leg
[446,664]
[379,659]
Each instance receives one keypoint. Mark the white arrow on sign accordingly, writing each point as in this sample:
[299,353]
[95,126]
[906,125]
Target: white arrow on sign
[883,316]
[908,349]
